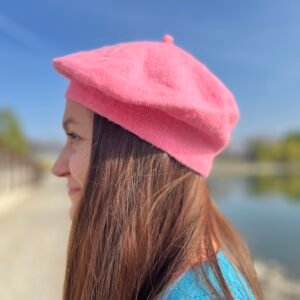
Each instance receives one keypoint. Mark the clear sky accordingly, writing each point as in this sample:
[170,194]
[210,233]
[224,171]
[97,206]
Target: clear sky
[253,47]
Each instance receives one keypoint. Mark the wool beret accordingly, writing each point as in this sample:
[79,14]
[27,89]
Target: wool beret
[159,92]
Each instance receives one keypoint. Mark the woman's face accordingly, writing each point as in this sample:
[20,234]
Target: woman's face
[72,162]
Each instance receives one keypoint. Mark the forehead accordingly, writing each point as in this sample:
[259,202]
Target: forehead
[73,109]
[76,114]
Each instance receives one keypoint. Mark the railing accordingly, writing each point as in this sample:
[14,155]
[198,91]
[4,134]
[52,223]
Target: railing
[17,171]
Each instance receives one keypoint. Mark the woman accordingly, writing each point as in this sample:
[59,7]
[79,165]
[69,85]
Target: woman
[144,122]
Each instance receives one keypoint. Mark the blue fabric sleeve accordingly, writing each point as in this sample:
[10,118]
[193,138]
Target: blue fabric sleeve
[187,285]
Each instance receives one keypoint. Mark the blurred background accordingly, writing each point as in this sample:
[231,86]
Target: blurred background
[253,47]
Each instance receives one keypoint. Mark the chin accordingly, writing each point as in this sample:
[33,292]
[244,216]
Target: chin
[72,212]
[75,197]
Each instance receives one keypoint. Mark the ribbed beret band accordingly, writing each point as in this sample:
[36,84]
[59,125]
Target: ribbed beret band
[159,92]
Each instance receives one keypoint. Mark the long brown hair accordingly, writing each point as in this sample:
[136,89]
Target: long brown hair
[142,220]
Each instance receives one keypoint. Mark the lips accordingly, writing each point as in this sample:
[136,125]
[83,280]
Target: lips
[73,190]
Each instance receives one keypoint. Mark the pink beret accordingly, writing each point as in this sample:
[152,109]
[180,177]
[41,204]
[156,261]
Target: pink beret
[159,92]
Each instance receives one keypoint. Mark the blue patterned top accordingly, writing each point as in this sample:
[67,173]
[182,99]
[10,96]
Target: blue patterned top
[186,286]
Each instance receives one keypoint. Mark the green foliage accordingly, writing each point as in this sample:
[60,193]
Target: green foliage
[11,135]
[286,149]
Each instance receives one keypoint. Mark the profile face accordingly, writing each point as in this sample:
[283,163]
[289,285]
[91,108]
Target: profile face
[73,160]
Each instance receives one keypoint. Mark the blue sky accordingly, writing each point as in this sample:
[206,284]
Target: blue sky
[253,47]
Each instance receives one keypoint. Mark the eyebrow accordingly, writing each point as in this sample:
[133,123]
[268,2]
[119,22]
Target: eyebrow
[68,121]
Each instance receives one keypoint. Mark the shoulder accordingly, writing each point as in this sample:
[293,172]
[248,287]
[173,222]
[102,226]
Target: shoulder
[188,287]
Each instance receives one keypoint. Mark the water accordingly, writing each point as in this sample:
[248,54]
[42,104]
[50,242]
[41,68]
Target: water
[266,211]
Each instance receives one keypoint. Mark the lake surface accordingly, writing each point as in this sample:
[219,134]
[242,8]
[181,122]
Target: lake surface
[266,211]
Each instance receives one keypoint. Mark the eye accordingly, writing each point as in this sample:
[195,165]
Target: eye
[73,136]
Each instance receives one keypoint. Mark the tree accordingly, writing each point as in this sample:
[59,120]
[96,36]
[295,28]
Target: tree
[11,135]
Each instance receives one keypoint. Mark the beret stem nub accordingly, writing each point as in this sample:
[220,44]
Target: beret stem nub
[167,38]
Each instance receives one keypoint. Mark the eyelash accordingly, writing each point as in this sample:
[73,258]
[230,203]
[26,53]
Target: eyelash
[73,136]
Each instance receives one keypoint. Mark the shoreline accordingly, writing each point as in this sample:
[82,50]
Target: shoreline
[248,168]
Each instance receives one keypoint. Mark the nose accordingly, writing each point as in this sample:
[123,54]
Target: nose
[60,167]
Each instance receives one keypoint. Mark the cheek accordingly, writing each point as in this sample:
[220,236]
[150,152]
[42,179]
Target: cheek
[79,162]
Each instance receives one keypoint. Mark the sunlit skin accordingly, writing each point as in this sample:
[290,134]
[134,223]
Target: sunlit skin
[72,162]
